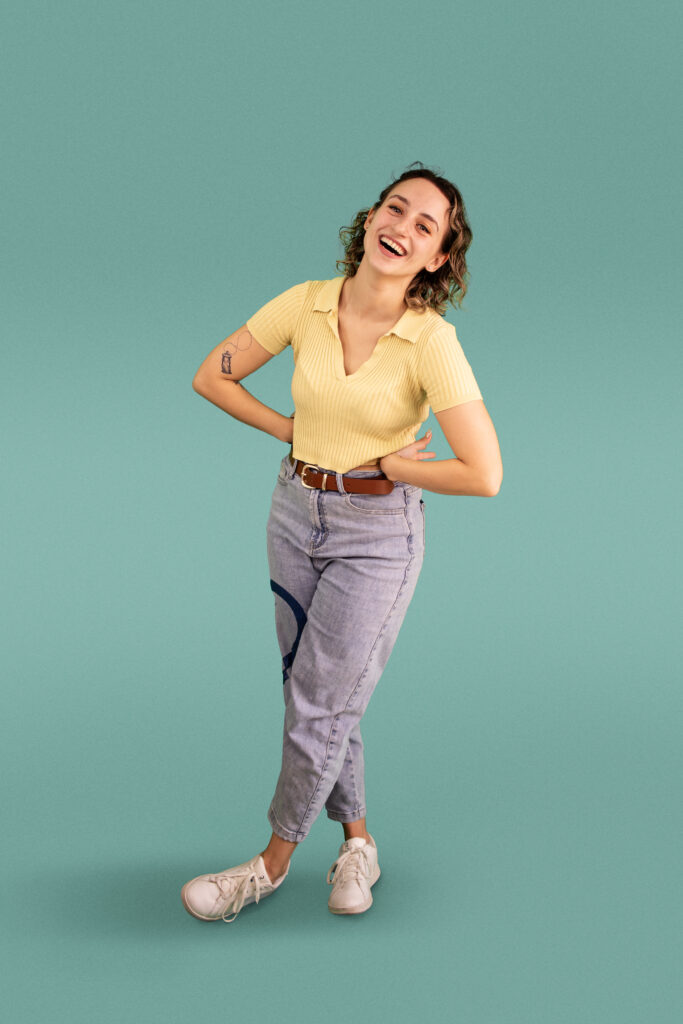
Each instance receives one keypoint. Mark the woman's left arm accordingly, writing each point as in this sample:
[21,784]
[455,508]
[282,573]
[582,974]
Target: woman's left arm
[477,468]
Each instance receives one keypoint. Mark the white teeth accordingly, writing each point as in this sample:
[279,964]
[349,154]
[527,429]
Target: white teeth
[394,246]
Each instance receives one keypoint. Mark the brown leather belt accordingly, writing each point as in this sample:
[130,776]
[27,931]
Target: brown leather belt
[315,480]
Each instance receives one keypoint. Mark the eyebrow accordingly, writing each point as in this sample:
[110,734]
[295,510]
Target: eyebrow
[407,202]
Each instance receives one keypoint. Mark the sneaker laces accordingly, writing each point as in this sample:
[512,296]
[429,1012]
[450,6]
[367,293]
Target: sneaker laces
[352,865]
[235,889]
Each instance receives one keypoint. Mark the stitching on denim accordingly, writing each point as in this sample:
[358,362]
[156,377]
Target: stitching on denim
[360,678]
[372,511]
[353,781]
[407,491]
[352,775]
[274,820]
[321,533]
[346,816]
[385,623]
[410,531]
[353,785]
[322,770]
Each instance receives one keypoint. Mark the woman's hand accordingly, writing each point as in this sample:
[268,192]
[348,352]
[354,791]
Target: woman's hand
[390,464]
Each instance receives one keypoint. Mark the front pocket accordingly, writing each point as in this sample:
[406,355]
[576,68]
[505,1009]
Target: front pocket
[393,504]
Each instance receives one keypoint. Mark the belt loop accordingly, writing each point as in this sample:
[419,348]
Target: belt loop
[340,483]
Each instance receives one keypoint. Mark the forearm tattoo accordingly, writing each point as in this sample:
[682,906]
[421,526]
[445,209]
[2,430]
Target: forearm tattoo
[231,349]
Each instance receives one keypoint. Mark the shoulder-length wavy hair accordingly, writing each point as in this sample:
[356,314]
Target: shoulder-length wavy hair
[449,282]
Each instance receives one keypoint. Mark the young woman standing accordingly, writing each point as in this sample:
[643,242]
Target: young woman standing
[372,353]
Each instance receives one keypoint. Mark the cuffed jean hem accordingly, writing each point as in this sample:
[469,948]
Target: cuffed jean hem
[346,816]
[282,832]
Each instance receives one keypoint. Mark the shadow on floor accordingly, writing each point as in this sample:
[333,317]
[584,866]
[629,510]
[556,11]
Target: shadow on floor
[110,900]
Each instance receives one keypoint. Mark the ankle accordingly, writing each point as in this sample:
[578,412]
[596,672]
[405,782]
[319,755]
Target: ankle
[358,835]
[274,868]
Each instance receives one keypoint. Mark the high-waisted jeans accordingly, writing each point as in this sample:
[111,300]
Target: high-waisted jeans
[343,570]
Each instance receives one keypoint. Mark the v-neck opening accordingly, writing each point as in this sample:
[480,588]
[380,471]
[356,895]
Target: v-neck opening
[333,316]
[363,368]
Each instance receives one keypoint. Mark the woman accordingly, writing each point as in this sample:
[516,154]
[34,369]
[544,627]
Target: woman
[372,353]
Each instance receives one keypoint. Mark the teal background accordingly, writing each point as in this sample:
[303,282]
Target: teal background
[167,169]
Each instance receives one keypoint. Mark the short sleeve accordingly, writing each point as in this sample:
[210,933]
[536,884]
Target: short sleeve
[274,324]
[445,374]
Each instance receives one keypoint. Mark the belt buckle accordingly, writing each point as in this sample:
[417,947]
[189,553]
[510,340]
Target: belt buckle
[309,487]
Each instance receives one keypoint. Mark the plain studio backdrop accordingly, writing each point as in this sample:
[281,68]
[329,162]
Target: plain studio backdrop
[167,169]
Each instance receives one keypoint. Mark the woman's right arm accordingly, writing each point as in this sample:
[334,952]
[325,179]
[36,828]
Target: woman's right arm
[218,380]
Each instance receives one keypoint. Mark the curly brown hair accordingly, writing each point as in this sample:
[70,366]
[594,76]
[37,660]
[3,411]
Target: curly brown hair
[449,282]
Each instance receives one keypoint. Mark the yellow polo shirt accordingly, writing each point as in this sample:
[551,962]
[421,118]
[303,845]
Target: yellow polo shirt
[342,421]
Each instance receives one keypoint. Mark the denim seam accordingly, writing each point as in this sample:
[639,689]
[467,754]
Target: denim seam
[373,511]
[386,621]
[274,820]
[391,610]
[321,533]
[352,775]
[360,678]
[352,779]
[325,763]
[346,816]
[410,532]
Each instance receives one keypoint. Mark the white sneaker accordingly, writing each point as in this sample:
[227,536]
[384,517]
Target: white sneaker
[351,875]
[212,897]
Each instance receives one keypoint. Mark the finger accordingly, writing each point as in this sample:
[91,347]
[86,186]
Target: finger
[426,455]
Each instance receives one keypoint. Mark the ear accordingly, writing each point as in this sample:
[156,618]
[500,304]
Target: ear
[370,215]
[437,262]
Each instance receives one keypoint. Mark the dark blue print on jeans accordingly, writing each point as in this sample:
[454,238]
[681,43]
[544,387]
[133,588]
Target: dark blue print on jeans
[300,617]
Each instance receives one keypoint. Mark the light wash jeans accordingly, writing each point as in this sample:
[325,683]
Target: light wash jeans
[343,570]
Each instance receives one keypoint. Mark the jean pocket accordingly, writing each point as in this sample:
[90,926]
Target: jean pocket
[393,504]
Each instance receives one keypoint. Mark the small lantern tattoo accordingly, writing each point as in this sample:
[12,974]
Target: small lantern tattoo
[242,343]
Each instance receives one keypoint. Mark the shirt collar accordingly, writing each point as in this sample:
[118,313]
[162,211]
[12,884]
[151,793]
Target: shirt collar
[409,326]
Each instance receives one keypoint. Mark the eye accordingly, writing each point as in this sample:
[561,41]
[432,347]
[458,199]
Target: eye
[424,227]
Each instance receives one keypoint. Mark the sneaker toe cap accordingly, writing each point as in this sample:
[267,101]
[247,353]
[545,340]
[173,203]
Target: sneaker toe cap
[200,897]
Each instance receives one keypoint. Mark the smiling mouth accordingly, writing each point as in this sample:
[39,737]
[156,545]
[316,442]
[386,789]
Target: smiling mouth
[390,250]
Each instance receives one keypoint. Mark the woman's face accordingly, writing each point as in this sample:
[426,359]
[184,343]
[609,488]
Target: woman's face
[414,218]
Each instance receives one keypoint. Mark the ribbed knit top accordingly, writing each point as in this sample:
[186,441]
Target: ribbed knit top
[342,421]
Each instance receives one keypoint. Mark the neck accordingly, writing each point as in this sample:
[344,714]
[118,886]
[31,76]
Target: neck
[372,296]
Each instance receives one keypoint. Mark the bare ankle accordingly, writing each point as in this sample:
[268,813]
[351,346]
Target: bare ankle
[353,830]
[277,856]
[274,869]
